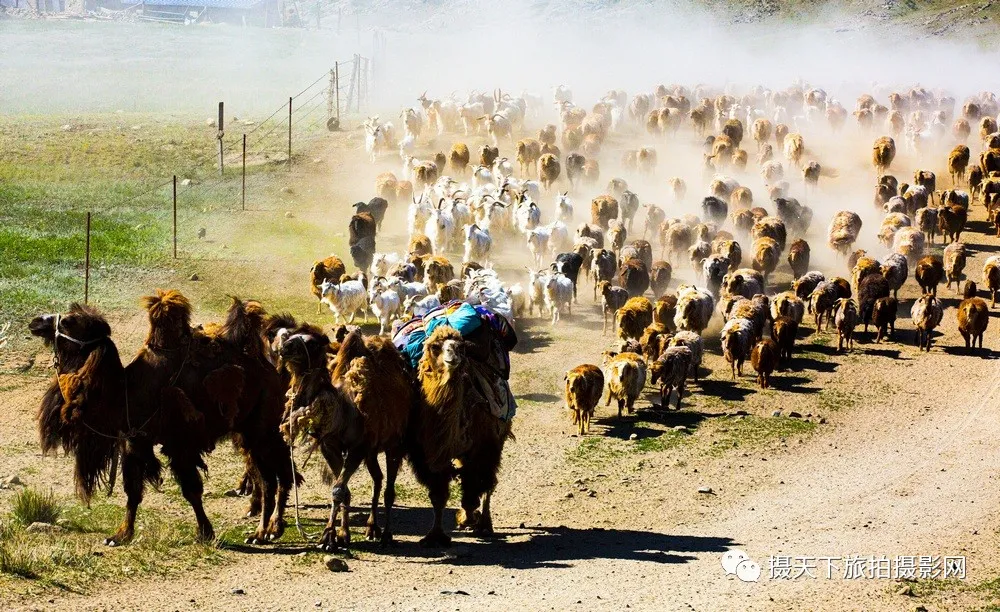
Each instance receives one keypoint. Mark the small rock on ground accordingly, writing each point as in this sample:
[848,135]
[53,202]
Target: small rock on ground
[194,277]
[9,482]
[334,564]
[39,527]
[706,490]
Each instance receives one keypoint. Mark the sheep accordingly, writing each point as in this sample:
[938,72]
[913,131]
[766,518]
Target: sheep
[617,234]
[603,267]
[664,310]
[439,227]
[659,277]
[675,237]
[528,151]
[895,269]
[538,243]
[420,244]
[671,370]
[654,219]
[872,288]
[731,250]
[451,291]
[787,304]
[909,242]
[363,253]
[584,388]
[893,223]
[694,309]
[884,317]
[415,306]
[626,377]
[951,220]
[698,253]
[328,269]
[756,310]
[548,172]
[822,301]
[973,317]
[737,340]
[559,294]
[863,267]
[805,284]
[569,264]
[628,205]
[385,304]
[794,149]
[345,299]
[883,152]
[927,221]
[761,130]
[654,340]
[714,270]
[766,254]
[954,263]
[438,271]
[714,209]
[746,282]
[798,257]
[634,276]
[991,277]
[846,321]
[929,272]
[926,314]
[764,359]
[602,210]
[634,317]
[614,298]
[770,227]
[386,185]
[783,332]
[794,215]
[695,344]
[477,244]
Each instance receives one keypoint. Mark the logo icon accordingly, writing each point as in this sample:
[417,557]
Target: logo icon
[735,561]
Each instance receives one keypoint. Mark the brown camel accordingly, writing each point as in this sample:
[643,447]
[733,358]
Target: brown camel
[450,428]
[185,390]
[359,412]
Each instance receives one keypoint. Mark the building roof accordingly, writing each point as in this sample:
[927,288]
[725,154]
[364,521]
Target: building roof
[228,4]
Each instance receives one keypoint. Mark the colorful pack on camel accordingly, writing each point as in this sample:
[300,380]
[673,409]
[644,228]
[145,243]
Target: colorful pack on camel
[491,339]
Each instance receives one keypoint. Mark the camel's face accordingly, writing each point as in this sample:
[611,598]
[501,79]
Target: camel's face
[452,354]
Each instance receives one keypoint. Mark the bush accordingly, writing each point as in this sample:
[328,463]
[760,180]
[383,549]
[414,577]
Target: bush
[31,506]
[18,561]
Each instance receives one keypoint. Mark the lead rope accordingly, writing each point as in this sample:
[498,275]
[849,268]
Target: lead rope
[291,454]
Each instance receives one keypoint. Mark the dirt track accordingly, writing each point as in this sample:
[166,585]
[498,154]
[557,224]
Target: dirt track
[902,464]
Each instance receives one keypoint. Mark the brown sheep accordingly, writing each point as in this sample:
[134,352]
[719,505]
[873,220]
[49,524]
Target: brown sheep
[547,135]
[764,359]
[625,374]
[973,317]
[529,151]
[488,155]
[664,311]
[329,269]
[634,276]
[634,317]
[954,263]
[770,227]
[883,152]
[386,185]
[548,170]
[958,161]
[659,277]
[927,180]
[761,130]
[780,134]
[961,129]
[404,191]
[614,298]
[420,245]
[602,210]
[929,272]
[671,369]
[617,235]
[676,238]
[438,271]
[846,321]
[951,221]
[766,254]
[798,257]
[654,337]
[783,331]
[584,388]
[794,149]
[991,277]
[865,266]
[459,158]
[884,317]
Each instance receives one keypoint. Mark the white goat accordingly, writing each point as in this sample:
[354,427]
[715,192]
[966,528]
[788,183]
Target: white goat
[345,299]
[439,227]
[385,304]
[477,244]
[558,293]
[376,137]
[382,263]
[538,243]
[564,207]
[420,306]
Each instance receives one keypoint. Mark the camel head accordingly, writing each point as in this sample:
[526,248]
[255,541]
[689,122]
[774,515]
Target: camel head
[445,350]
[169,317]
[73,335]
[303,350]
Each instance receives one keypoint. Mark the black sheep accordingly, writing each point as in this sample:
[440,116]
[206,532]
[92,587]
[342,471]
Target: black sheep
[714,209]
[376,207]
[634,276]
[363,252]
[569,264]
[362,226]
[872,288]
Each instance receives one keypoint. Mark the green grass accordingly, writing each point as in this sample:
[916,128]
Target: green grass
[31,506]
[596,451]
[756,432]
[830,399]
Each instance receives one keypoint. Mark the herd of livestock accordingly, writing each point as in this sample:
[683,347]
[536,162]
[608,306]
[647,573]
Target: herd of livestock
[431,386]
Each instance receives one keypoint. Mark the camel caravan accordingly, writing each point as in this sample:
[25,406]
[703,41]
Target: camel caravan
[732,272]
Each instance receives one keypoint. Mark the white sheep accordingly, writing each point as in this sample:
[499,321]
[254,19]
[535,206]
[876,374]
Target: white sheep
[345,299]
[385,305]
[564,208]
[560,239]
[694,308]
[538,243]
[376,137]
[558,293]
[382,263]
[518,299]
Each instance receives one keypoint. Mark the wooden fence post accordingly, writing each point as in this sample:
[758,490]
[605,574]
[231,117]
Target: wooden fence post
[222,132]
[244,192]
[175,216]
[336,77]
[86,266]
[289,132]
